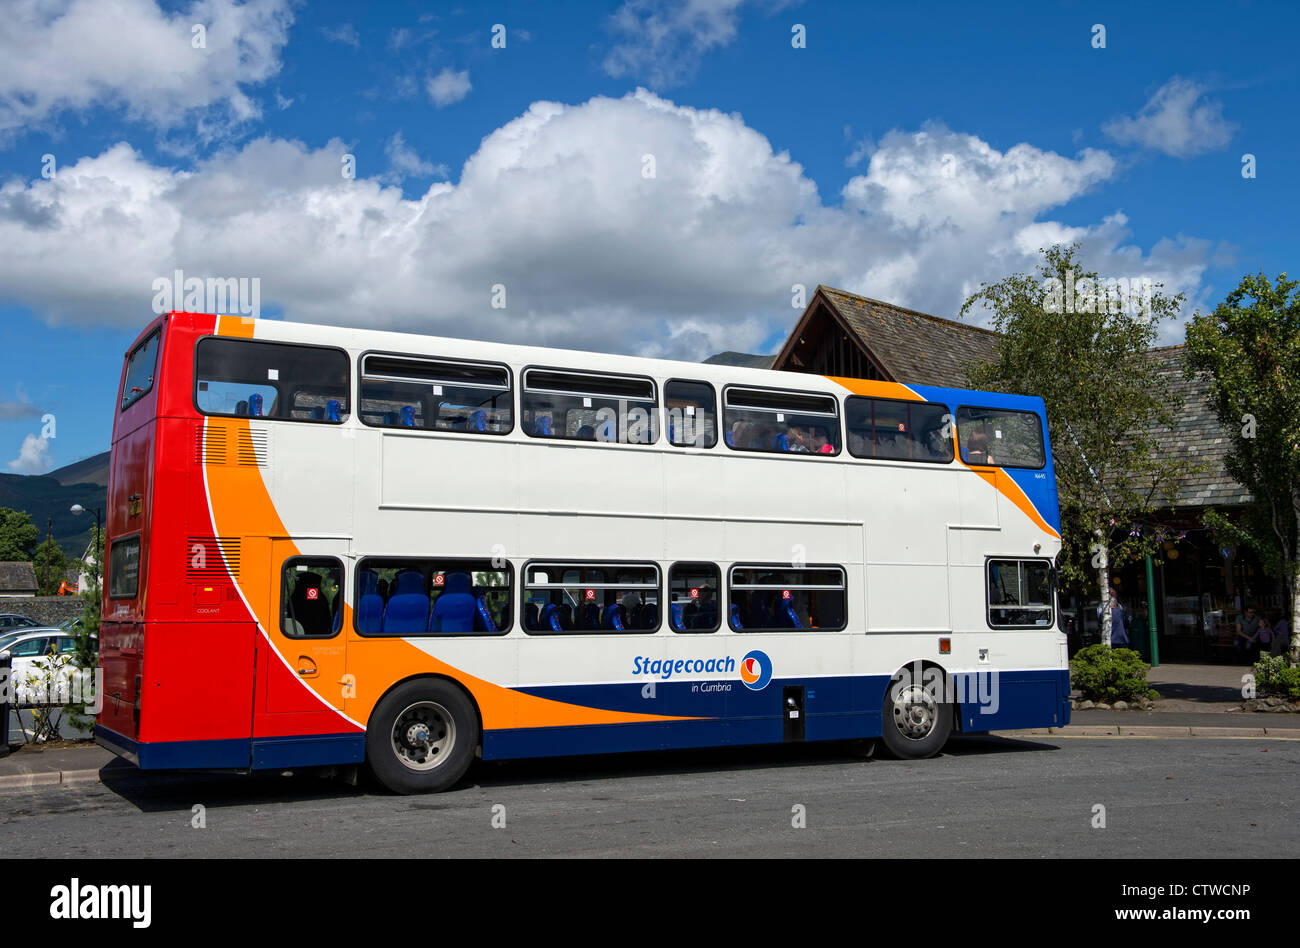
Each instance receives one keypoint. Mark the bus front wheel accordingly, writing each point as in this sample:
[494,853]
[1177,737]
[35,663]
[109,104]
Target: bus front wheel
[915,720]
[421,737]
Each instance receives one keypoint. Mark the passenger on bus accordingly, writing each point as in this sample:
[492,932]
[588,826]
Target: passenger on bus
[818,442]
[977,448]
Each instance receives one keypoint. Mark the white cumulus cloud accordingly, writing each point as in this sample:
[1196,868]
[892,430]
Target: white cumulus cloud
[74,54]
[1177,120]
[557,206]
[448,87]
[663,42]
[33,456]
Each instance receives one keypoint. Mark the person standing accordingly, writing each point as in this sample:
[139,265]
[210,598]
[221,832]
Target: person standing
[1247,632]
[1118,621]
[1281,636]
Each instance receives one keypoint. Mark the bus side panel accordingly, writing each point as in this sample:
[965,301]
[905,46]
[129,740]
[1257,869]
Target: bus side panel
[1015,699]
[198,690]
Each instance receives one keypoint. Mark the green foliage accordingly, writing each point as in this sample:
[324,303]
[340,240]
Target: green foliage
[17,535]
[51,566]
[1250,349]
[86,655]
[1276,676]
[1106,400]
[1110,674]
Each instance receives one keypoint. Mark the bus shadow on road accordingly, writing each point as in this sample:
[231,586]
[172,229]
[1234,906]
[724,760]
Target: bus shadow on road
[723,760]
[172,790]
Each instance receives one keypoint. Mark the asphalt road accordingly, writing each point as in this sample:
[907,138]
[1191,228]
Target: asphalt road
[987,796]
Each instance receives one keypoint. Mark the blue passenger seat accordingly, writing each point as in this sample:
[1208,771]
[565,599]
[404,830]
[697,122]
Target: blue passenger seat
[551,618]
[408,416]
[478,421]
[333,410]
[678,620]
[407,612]
[542,426]
[614,618]
[370,607]
[255,405]
[735,617]
[454,609]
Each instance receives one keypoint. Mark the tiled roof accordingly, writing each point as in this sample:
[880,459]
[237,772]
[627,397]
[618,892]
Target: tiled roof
[913,346]
[17,578]
[1196,436]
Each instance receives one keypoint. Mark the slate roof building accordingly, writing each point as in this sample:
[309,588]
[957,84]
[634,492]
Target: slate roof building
[17,581]
[1198,589]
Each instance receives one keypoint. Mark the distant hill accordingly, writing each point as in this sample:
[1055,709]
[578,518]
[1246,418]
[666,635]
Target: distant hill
[93,470]
[742,359]
[52,495]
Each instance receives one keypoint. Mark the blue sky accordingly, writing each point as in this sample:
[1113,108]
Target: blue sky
[524,166]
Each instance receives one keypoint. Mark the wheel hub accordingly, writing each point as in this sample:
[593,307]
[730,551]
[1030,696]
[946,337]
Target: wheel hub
[423,735]
[915,712]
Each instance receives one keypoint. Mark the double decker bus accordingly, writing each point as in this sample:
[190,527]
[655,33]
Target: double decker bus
[332,546]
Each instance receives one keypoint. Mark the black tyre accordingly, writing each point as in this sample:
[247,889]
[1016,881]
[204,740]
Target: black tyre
[916,718]
[422,736]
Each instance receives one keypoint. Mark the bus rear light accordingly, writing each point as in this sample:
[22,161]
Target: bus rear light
[945,646]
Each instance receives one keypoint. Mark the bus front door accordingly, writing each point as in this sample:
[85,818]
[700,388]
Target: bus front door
[303,672]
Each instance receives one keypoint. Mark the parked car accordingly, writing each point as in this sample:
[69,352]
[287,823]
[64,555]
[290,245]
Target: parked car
[28,646]
[72,625]
[11,620]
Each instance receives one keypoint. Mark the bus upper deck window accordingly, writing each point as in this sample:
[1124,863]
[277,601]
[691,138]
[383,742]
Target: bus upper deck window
[893,429]
[1001,437]
[780,422]
[253,379]
[435,395]
[589,406]
[691,413]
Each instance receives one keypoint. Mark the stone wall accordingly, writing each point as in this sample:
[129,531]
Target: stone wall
[46,610]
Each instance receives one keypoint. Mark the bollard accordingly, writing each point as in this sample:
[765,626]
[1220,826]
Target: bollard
[6,692]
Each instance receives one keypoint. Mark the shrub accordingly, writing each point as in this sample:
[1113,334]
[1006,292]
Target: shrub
[1275,676]
[1110,674]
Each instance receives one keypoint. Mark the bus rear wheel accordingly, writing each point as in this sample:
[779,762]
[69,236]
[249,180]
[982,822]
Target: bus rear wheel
[421,737]
[915,720]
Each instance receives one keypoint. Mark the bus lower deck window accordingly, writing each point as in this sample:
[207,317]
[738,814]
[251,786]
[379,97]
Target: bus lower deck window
[408,596]
[1020,593]
[777,598]
[591,597]
[311,597]
[693,600]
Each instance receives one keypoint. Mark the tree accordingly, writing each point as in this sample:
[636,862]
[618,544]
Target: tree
[17,535]
[51,564]
[1250,349]
[1081,345]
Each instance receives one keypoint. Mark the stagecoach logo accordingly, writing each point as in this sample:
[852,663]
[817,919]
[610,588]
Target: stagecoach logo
[755,670]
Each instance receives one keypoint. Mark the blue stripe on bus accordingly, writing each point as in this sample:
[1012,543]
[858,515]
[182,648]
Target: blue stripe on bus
[265,753]
[840,708]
